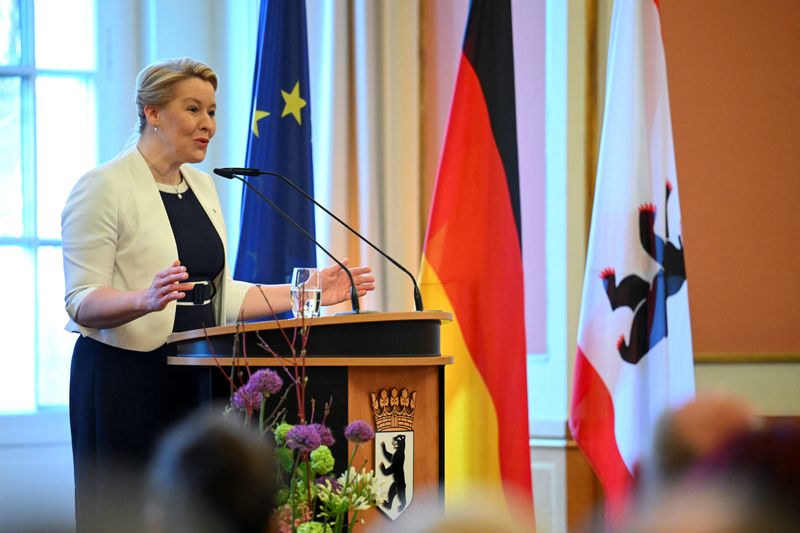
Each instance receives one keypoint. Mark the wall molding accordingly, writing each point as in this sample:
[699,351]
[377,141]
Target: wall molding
[712,358]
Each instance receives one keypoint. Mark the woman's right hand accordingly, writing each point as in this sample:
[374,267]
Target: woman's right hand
[167,286]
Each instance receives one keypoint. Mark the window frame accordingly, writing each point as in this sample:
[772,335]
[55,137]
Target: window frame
[29,240]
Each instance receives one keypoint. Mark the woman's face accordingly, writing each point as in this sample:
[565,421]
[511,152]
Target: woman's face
[187,123]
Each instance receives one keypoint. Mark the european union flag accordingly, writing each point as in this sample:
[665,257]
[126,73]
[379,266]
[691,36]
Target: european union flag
[280,141]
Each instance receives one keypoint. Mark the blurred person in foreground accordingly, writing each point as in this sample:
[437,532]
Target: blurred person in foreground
[475,510]
[749,484]
[144,256]
[684,436]
[210,474]
[688,434]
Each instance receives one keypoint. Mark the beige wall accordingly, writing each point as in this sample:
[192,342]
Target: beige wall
[734,80]
[734,75]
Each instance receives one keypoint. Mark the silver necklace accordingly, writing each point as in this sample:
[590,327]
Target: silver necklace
[156,172]
[177,191]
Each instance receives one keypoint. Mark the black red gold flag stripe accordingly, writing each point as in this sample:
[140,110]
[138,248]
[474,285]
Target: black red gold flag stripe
[472,266]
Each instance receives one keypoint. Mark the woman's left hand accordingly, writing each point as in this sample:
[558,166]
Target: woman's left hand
[336,284]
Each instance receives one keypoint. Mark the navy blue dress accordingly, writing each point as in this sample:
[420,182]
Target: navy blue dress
[122,400]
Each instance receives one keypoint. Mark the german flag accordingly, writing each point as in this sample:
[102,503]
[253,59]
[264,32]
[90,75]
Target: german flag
[472,267]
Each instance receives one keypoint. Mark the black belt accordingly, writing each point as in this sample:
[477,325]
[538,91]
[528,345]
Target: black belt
[201,294]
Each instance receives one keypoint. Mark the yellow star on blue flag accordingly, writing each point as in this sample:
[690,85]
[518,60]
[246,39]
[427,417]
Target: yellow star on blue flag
[293,103]
[258,115]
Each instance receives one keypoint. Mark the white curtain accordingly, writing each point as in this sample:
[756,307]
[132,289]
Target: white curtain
[364,61]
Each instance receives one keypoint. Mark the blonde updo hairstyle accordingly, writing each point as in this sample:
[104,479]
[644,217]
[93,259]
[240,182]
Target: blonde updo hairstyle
[155,83]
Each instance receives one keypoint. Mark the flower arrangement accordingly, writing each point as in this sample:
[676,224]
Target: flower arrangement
[311,498]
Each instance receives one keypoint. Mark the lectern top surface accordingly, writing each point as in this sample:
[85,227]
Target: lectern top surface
[228,329]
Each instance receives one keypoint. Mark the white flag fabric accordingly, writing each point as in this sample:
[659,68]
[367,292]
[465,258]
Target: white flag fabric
[634,355]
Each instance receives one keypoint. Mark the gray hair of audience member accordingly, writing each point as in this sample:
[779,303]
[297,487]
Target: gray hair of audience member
[155,83]
[210,474]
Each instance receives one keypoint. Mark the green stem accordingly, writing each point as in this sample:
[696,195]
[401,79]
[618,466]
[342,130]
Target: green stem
[350,463]
[293,493]
[308,484]
[262,414]
[347,473]
[293,505]
[340,518]
[352,524]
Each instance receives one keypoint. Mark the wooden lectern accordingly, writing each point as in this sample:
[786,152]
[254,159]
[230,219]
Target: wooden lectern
[349,358]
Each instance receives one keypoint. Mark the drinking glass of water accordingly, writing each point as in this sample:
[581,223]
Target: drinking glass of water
[305,292]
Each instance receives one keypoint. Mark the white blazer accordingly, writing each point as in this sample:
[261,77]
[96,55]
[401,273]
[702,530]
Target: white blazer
[116,233]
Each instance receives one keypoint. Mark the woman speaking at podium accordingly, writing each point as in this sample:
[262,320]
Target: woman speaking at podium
[144,256]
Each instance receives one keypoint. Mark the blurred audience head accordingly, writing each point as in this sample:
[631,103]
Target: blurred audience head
[210,474]
[691,432]
[748,482]
[764,465]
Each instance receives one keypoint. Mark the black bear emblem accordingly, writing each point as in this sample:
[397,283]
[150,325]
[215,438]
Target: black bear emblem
[648,300]
[396,469]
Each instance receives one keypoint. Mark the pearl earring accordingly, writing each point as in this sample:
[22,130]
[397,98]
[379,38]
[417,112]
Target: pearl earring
[155,128]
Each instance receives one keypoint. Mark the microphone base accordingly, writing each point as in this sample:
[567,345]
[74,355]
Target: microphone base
[361,312]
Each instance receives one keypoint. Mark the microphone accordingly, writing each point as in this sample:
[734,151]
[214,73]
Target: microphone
[231,172]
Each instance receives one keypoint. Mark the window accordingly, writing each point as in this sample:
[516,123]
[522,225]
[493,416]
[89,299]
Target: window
[47,140]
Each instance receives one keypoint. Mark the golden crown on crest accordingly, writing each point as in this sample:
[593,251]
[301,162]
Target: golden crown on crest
[394,410]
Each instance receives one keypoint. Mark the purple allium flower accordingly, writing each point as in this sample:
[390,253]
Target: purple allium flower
[246,399]
[358,432]
[335,485]
[325,434]
[265,381]
[303,438]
